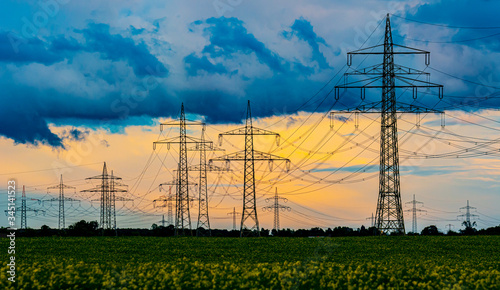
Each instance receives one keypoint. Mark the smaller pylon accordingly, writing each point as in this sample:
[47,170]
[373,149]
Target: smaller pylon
[372,219]
[24,208]
[61,200]
[166,201]
[276,207]
[234,214]
[414,211]
[468,216]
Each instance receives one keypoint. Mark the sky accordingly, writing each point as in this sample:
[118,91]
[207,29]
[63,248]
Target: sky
[88,82]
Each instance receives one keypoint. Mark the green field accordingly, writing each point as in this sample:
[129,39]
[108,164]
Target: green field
[228,263]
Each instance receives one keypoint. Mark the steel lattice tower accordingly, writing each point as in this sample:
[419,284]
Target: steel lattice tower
[203,168]
[276,207]
[468,215]
[389,214]
[61,199]
[389,211]
[249,220]
[24,209]
[182,216]
[234,214]
[166,202]
[414,211]
[108,187]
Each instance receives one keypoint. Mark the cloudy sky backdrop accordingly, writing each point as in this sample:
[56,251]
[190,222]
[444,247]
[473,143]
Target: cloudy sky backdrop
[85,82]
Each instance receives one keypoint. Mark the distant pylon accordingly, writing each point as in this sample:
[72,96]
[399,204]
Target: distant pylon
[162,220]
[108,187]
[450,226]
[372,219]
[276,207]
[203,168]
[166,201]
[234,214]
[61,200]
[249,220]
[414,211]
[182,216]
[24,208]
[468,215]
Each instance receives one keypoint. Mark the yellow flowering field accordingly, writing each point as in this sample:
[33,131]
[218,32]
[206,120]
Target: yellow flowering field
[255,263]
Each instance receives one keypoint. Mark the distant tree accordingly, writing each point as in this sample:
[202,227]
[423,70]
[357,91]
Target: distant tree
[469,228]
[431,230]
[83,228]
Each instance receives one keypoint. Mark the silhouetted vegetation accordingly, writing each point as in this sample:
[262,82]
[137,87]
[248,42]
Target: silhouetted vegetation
[87,229]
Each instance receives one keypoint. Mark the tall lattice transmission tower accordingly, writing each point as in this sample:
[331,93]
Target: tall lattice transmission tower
[276,207]
[249,220]
[468,216]
[61,200]
[24,209]
[414,209]
[108,186]
[203,225]
[233,215]
[388,76]
[182,216]
[166,201]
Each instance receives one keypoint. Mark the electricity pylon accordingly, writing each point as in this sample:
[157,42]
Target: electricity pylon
[389,214]
[182,216]
[61,199]
[108,187]
[372,219]
[249,220]
[276,207]
[170,199]
[24,208]
[166,201]
[203,168]
[414,211]
[234,214]
[162,222]
[468,215]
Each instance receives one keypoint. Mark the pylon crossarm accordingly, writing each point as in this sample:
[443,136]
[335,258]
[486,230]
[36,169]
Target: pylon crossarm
[207,146]
[368,50]
[178,123]
[173,140]
[210,167]
[379,69]
[59,186]
[258,156]
[119,198]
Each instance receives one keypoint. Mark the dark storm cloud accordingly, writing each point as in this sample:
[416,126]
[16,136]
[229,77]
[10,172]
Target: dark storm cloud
[229,36]
[32,50]
[195,64]
[304,31]
[116,47]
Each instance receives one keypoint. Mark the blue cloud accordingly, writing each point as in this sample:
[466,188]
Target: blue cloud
[116,47]
[194,64]
[16,50]
[304,31]
[228,36]
[23,123]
